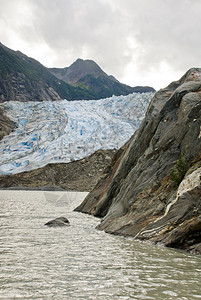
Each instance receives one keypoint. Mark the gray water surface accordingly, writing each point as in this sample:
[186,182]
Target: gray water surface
[79,262]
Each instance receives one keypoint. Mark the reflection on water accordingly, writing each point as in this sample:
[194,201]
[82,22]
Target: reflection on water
[79,262]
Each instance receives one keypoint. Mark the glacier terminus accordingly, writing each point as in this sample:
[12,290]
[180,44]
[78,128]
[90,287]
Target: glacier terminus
[62,131]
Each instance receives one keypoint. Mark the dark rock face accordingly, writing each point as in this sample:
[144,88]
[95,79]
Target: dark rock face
[17,87]
[6,125]
[58,222]
[81,175]
[138,196]
[24,79]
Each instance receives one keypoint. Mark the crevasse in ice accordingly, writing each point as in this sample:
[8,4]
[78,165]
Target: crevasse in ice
[50,132]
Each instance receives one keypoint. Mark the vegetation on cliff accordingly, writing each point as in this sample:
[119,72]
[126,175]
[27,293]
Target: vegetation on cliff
[177,174]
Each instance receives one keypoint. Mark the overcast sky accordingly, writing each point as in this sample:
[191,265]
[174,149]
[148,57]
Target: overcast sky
[140,42]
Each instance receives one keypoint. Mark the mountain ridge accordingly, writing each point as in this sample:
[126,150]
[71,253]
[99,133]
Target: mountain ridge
[25,79]
[88,74]
[77,70]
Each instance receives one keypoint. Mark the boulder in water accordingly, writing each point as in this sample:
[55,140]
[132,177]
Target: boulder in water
[61,221]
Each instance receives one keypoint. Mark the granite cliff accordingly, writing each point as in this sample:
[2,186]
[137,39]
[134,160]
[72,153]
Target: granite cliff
[152,190]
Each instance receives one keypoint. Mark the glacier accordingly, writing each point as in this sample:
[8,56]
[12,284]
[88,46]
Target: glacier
[62,131]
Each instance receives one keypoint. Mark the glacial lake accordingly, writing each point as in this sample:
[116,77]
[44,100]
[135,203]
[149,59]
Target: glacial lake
[80,262]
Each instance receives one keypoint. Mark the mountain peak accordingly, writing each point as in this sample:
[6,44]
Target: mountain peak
[79,59]
[77,70]
[87,73]
[81,68]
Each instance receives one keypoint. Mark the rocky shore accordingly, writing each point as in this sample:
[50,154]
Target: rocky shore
[80,175]
[152,190]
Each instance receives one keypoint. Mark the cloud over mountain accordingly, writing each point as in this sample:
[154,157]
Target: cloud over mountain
[148,38]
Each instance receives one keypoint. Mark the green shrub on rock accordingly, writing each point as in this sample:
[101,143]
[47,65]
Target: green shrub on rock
[177,175]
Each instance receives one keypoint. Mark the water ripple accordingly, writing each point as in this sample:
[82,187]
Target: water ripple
[79,262]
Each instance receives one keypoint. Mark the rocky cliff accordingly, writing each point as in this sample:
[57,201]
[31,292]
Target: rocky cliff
[152,190]
[6,125]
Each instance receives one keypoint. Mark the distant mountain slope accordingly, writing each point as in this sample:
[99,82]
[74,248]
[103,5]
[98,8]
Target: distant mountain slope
[79,69]
[24,79]
[87,74]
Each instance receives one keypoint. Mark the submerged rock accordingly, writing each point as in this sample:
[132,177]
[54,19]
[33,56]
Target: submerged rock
[61,221]
[139,196]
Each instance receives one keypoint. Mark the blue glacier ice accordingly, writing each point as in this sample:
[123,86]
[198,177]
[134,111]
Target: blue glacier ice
[61,131]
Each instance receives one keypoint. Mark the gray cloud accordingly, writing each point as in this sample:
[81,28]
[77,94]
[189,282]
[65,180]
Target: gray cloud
[85,28]
[112,32]
[169,31]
